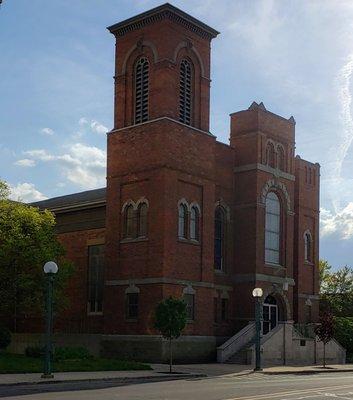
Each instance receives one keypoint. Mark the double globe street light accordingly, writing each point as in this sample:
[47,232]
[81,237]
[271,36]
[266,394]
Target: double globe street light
[50,269]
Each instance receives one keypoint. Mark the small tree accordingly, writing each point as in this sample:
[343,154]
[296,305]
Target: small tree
[325,331]
[170,320]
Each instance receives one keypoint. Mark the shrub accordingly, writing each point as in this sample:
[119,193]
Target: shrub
[5,337]
[344,334]
[34,351]
[71,353]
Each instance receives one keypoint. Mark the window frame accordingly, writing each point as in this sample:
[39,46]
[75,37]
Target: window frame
[185,98]
[99,279]
[222,238]
[190,306]
[141,115]
[182,221]
[142,220]
[194,223]
[308,247]
[270,232]
[129,305]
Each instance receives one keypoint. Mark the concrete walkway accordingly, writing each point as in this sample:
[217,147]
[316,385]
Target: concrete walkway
[159,373]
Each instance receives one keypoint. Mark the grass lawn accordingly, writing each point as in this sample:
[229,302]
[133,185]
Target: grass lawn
[17,363]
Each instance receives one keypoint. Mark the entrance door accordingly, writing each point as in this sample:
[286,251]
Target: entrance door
[269,315]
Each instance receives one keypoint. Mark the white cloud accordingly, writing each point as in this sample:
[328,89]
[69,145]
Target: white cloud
[94,126]
[26,192]
[47,131]
[340,223]
[98,127]
[82,165]
[25,162]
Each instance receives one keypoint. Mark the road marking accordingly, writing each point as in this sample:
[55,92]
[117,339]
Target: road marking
[292,392]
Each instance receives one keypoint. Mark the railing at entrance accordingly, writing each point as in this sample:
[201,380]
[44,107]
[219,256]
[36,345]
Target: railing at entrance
[236,342]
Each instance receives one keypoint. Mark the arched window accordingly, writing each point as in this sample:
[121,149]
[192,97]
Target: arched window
[280,158]
[129,231]
[183,219]
[142,220]
[194,223]
[185,92]
[219,239]
[272,229]
[308,247]
[270,155]
[141,90]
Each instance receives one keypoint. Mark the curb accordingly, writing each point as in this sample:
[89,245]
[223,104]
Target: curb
[122,380]
[303,372]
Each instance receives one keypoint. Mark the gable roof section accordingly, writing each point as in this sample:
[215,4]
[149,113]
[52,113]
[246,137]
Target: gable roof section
[158,13]
[87,199]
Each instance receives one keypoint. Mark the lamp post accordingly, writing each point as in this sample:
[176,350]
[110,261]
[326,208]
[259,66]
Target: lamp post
[50,269]
[257,294]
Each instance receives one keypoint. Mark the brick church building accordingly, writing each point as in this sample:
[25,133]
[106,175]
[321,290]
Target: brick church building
[183,214]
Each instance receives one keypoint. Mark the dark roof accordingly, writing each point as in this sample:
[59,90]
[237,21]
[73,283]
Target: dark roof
[164,11]
[75,200]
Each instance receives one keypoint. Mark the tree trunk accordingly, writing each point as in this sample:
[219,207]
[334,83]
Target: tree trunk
[324,355]
[170,355]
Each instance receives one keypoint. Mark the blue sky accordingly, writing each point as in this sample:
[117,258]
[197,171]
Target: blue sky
[56,90]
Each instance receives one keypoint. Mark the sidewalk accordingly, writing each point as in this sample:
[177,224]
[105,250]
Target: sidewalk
[159,373]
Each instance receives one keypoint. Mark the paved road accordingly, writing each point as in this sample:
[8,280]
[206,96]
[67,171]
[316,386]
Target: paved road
[248,387]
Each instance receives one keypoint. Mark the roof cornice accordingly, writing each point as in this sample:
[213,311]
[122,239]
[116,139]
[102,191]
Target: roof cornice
[165,11]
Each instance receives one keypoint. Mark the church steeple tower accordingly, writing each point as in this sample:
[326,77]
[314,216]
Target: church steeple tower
[162,68]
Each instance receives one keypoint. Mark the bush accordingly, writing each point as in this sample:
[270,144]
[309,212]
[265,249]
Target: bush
[34,351]
[344,334]
[5,337]
[71,353]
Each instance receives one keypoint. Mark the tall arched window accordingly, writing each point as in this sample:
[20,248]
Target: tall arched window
[185,92]
[141,90]
[280,158]
[308,247]
[272,229]
[194,223]
[183,219]
[142,220]
[130,229]
[270,155]
[219,239]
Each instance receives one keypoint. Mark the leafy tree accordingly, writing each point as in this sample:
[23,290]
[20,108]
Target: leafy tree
[336,289]
[344,334]
[27,241]
[170,320]
[325,331]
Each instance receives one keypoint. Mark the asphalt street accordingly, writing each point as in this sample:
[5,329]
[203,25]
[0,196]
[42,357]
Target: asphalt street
[246,387]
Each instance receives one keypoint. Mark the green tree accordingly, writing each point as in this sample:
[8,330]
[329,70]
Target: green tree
[325,331]
[27,241]
[170,320]
[336,289]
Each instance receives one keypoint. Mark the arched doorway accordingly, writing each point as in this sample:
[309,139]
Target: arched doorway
[269,314]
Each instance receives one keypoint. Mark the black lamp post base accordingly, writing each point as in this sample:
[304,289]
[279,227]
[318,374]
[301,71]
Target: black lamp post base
[47,376]
[257,369]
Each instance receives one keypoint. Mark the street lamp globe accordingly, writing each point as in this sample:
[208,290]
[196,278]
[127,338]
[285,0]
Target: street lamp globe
[50,267]
[257,292]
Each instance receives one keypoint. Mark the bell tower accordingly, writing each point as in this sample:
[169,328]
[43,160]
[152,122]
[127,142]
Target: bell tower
[162,68]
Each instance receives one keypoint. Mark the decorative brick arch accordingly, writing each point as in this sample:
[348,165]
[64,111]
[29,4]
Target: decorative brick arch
[279,186]
[222,204]
[279,294]
[138,45]
[190,46]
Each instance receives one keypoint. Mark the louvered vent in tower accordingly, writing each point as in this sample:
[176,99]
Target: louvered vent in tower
[141,90]
[185,92]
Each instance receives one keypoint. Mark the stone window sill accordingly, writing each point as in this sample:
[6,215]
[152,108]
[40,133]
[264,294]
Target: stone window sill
[135,240]
[94,314]
[219,272]
[270,265]
[308,262]
[189,241]
[131,319]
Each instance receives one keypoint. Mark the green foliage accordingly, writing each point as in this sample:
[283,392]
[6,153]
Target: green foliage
[36,351]
[27,240]
[5,337]
[4,190]
[344,334]
[170,317]
[16,363]
[71,353]
[336,289]
[325,329]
